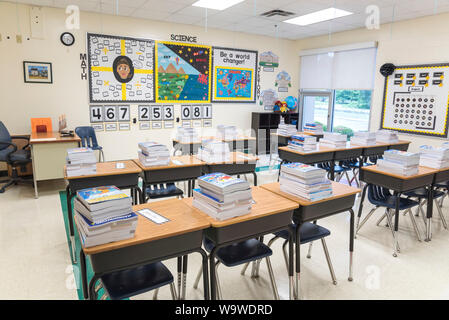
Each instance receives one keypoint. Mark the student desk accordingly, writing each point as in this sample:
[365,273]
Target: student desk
[49,152]
[107,175]
[282,141]
[270,213]
[188,169]
[240,163]
[342,200]
[152,242]
[399,184]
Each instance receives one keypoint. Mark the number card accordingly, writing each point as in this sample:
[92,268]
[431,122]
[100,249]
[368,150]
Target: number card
[156,113]
[186,113]
[110,113]
[96,114]
[186,124]
[123,113]
[169,112]
[169,124]
[98,126]
[196,123]
[207,111]
[207,123]
[156,125]
[197,111]
[124,126]
[111,126]
[144,113]
[144,125]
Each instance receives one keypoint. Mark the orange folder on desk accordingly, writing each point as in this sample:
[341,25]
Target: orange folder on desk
[41,125]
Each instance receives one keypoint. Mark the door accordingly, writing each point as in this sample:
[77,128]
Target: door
[316,106]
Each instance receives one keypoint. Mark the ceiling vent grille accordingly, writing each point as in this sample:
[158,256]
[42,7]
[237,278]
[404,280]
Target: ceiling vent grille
[277,12]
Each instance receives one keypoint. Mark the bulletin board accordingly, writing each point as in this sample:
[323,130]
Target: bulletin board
[416,100]
[183,73]
[121,69]
[234,75]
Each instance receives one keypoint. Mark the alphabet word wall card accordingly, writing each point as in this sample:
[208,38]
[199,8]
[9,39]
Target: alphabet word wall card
[235,75]
[416,100]
[183,73]
[121,69]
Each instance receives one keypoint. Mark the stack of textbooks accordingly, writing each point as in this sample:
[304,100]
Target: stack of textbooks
[436,158]
[362,138]
[222,197]
[304,181]
[80,162]
[187,135]
[286,130]
[399,162]
[334,140]
[302,143]
[214,151]
[226,132]
[314,128]
[153,154]
[387,136]
[104,215]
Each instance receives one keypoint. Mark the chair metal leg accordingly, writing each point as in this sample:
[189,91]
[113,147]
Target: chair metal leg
[440,212]
[173,291]
[360,225]
[347,177]
[155,294]
[423,214]
[382,218]
[396,248]
[415,225]
[309,253]
[329,262]
[198,278]
[244,269]
[219,293]
[102,156]
[273,281]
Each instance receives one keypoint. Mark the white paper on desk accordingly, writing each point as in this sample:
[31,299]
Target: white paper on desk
[153,216]
[177,162]
[120,165]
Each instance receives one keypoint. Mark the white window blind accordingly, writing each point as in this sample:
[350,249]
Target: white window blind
[346,69]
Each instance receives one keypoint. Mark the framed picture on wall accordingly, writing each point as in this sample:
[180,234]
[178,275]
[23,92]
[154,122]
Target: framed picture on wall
[37,72]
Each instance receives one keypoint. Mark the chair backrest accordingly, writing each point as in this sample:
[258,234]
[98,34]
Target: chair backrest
[4,136]
[377,193]
[87,136]
[37,124]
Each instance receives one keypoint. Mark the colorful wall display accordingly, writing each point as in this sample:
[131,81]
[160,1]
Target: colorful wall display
[283,81]
[183,73]
[121,69]
[269,61]
[268,98]
[234,75]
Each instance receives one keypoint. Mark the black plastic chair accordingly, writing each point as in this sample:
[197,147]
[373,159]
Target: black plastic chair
[353,165]
[13,156]
[162,191]
[89,140]
[381,197]
[338,170]
[445,188]
[237,254]
[131,282]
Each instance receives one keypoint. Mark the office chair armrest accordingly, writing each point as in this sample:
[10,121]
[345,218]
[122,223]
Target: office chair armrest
[22,138]
[8,156]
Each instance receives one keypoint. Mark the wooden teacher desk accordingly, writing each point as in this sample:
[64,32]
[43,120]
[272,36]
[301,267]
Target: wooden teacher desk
[49,152]
[342,200]
[181,235]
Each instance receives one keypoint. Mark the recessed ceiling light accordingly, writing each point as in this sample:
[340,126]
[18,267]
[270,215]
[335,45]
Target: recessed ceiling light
[319,16]
[216,4]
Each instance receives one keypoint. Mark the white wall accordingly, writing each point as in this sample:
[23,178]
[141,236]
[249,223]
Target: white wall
[419,41]
[69,94]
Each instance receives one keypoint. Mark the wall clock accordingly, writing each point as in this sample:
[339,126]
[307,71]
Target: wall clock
[67,39]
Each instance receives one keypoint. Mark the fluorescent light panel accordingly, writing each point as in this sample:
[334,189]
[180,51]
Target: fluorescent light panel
[319,16]
[216,4]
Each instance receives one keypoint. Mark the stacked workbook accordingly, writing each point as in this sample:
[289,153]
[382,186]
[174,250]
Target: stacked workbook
[186,135]
[153,154]
[286,130]
[214,151]
[222,196]
[387,136]
[302,143]
[305,181]
[314,128]
[226,132]
[436,158]
[362,138]
[103,215]
[334,140]
[399,162]
[80,162]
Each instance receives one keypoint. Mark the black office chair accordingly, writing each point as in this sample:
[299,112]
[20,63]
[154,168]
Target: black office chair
[10,154]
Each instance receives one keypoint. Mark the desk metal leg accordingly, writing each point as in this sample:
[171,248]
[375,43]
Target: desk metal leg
[290,264]
[71,228]
[205,275]
[359,214]
[36,194]
[184,277]
[179,276]
[83,274]
[332,170]
[351,244]
[255,178]
[298,262]
[213,284]
[429,214]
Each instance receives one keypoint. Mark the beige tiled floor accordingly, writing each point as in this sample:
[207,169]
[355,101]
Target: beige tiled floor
[35,260]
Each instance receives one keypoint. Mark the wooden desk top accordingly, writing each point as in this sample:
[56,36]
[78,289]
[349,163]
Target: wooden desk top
[339,190]
[187,161]
[51,137]
[384,144]
[183,219]
[238,157]
[267,203]
[422,171]
[109,169]
[239,138]
[319,149]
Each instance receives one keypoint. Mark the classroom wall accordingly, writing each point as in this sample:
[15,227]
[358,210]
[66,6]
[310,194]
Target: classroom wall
[418,41]
[69,94]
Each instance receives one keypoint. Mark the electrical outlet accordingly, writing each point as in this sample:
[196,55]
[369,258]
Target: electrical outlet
[19,38]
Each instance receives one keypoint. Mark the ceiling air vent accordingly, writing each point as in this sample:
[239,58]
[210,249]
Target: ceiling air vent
[277,12]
